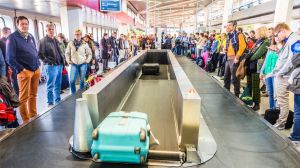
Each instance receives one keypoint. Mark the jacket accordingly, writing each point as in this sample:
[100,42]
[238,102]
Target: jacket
[260,50]
[236,45]
[113,42]
[21,53]
[104,44]
[121,44]
[2,65]
[294,80]
[9,93]
[50,52]
[82,55]
[269,63]
[284,65]
[214,46]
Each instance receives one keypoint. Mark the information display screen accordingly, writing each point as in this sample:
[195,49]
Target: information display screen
[110,5]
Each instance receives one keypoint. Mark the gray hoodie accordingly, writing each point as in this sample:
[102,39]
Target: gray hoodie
[294,81]
[284,64]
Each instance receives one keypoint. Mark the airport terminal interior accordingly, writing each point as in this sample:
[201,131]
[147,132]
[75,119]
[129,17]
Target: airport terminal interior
[150,83]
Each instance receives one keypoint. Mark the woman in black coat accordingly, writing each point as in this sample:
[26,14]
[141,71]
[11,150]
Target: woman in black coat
[105,50]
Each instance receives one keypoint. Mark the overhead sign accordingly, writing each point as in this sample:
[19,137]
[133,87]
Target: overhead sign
[110,5]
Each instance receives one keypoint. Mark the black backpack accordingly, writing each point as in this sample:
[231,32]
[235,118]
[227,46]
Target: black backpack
[271,115]
[210,66]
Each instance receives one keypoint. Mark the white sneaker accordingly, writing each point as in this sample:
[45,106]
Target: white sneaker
[50,106]
[279,126]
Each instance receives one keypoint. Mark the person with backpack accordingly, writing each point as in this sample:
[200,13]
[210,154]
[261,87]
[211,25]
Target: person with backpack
[256,54]
[282,71]
[294,86]
[235,48]
[22,56]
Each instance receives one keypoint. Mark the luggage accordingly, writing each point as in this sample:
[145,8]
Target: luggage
[111,64]
[210,66]
[271,115]
[246,97]
[65,79]
[122,137]
[193,56]
[8,116]
[200,62]
[150,69]
[205,57]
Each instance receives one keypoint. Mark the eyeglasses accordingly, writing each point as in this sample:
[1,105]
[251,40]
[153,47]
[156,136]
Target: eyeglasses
[77,34]
[276,34]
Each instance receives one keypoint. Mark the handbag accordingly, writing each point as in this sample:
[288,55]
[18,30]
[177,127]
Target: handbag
[246,97]
[241,70]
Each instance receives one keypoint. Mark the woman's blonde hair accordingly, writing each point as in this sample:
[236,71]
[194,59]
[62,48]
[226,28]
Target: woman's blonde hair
[262,32]
[78,31]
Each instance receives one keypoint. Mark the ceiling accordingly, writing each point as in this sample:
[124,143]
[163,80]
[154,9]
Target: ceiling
[46,7]
[162,13]
[170,13]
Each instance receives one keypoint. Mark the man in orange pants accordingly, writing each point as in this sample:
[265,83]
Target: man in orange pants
[22,56]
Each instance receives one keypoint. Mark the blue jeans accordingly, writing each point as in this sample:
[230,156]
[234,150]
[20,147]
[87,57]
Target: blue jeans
[296,130]
[75,69]
[136,48]
[54,78]
[270,89]
[178,49]
[184,51]
[115,56]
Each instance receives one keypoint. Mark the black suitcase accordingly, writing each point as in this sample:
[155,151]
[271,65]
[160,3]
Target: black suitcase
[150,69]
[272,115]
[209,67]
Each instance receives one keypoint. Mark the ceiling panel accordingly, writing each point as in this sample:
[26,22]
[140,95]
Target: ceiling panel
[170,11]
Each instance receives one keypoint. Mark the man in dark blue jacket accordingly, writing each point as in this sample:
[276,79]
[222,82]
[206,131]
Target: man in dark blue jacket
[114,47]
[22,56]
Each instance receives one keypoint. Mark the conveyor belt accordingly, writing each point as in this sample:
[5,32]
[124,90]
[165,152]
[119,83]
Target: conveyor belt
[243,139]
[154,98]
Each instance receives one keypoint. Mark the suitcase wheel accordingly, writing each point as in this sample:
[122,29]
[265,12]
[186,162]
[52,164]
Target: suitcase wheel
[137,150]
[142,135]
[143,159]
[96,157]
[95,134]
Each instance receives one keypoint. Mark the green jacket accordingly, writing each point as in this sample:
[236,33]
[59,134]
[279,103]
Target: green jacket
[261,51]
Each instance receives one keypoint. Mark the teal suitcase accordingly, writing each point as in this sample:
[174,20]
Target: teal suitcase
[122,137]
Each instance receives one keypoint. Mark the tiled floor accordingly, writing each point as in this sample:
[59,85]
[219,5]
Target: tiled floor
[41,102]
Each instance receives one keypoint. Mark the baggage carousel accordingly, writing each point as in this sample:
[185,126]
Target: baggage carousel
[243,138]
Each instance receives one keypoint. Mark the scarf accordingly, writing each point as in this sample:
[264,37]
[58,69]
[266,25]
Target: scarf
[77,44]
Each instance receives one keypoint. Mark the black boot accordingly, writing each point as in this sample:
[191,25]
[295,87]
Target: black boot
[256,107]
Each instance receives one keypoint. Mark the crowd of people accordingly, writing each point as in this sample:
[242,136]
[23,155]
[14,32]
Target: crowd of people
[267,57]
[25,62]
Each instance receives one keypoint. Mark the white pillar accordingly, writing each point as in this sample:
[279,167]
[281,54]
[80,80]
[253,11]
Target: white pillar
[205,22]
[124,6]
[64,21]
[147,16]
[71,19]
[283,11]
[227,12]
